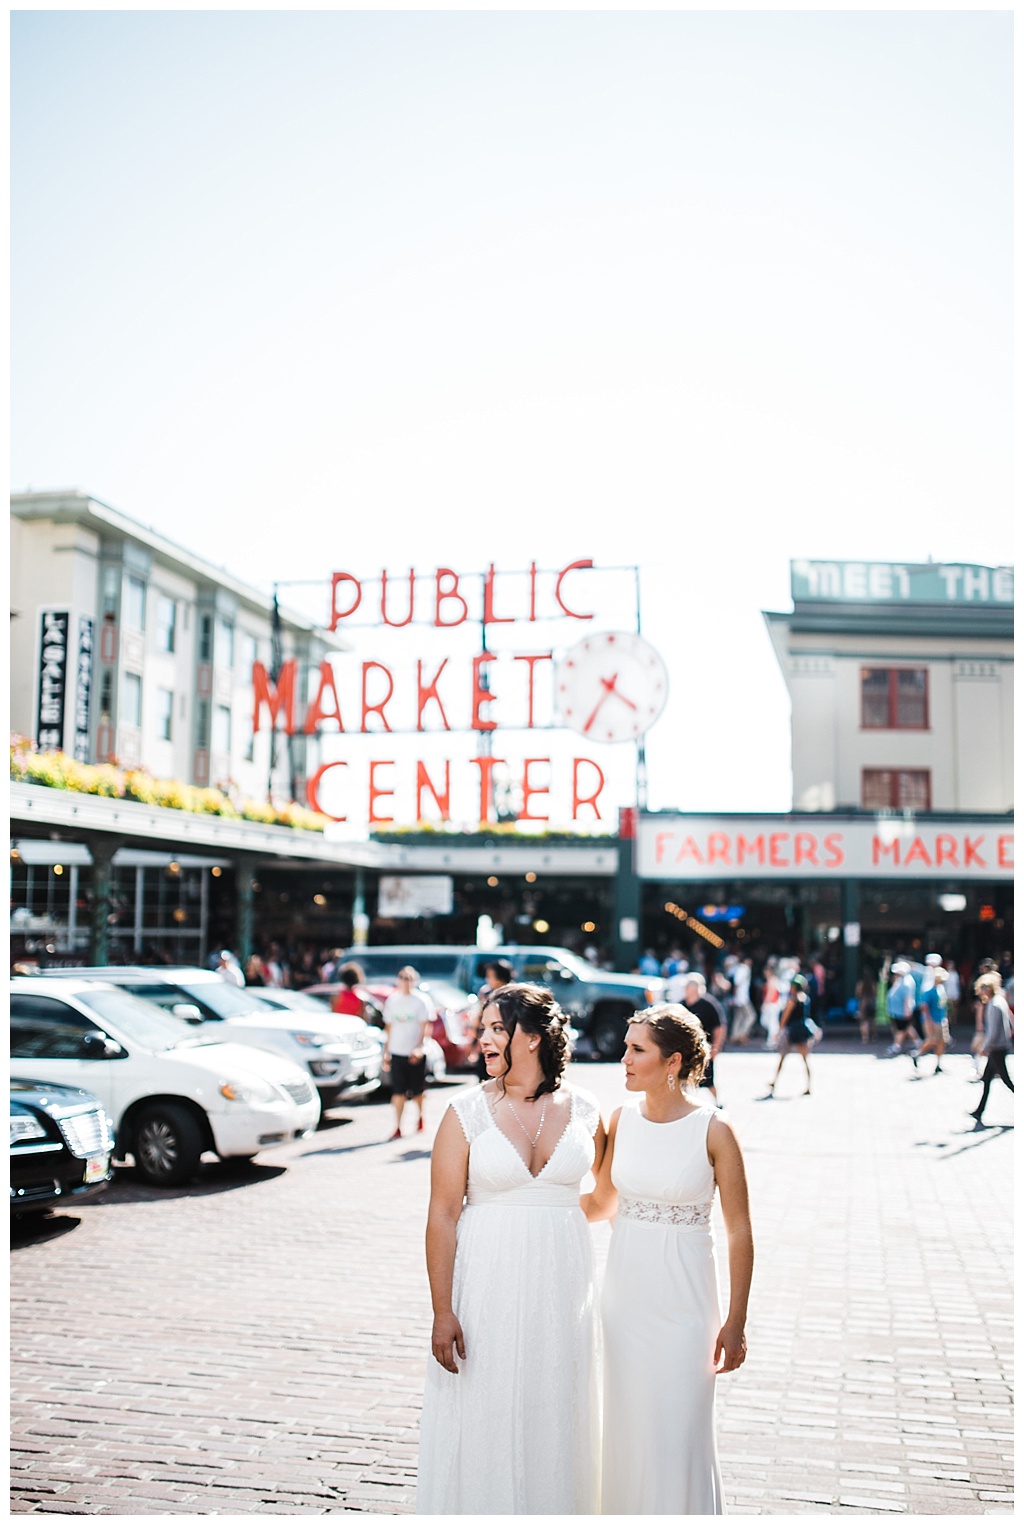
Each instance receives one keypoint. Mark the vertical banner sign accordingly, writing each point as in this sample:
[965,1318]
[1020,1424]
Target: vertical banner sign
[53,665]
[83,688]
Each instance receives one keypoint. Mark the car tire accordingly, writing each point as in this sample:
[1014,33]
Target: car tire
[167,1143]
[607,1034]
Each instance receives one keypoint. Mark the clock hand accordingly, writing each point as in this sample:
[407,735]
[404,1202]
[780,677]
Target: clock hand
[610,686]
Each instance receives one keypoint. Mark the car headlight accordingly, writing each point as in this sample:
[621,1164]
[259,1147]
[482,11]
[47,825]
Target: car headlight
[321,1040]
[247,1090]
[24,1128]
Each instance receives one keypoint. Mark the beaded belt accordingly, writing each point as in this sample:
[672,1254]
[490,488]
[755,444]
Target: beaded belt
[679,1214]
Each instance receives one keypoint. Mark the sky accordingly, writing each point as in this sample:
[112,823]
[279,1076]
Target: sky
[699,291]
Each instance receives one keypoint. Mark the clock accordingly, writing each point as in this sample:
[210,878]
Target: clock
[611,686]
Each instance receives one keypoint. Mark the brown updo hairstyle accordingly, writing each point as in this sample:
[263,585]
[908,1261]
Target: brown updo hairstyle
[677,1031]
[535,1010]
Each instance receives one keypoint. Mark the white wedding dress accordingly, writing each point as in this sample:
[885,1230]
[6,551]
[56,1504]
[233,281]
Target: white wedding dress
[661,1317]
[516,1431]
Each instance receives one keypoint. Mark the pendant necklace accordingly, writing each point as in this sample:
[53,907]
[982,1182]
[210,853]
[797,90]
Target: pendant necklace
[543,1113]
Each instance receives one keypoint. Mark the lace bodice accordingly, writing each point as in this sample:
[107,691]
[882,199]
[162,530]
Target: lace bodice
[499,1174]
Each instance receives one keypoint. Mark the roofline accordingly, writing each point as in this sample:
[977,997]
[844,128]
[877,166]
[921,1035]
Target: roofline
[72,504]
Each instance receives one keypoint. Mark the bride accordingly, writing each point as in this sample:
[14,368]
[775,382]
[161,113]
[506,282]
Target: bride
[510,1408]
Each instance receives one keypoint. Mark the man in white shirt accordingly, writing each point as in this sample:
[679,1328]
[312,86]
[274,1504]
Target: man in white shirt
[407,1020]
[743,1014]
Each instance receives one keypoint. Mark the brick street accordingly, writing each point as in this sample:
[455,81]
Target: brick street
[255,1343]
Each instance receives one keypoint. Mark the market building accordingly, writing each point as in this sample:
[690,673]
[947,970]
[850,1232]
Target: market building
[900,837]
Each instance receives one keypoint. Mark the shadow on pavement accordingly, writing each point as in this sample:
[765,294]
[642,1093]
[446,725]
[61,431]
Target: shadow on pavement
[37,1228]
[210,1180]
[970,1138]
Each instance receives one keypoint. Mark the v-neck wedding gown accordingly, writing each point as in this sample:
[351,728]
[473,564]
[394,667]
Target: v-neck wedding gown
[516,1431]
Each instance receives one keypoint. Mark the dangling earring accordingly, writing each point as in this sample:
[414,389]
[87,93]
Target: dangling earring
[671,1081]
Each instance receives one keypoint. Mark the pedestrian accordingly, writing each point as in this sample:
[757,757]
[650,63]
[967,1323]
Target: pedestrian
[254,970]
[743,1014]
[665,1342]
[901,1003]
[953,1012]
[998,1036]
[771,1004]
[933,1011]
[673,964]
[711,1017]
[229,968]
[649,963]
[346,1000]
[796,1032]
[496,973]
[407,1021]
[510,1407]
[867,1000]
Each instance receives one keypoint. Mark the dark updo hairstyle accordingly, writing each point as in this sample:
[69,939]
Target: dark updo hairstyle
[351,974]
[535,1010]
[676,1030]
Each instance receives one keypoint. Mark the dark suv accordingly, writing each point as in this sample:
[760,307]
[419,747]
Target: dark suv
[597,1003]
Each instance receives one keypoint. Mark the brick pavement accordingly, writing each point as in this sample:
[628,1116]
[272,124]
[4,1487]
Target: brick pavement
[255,1344]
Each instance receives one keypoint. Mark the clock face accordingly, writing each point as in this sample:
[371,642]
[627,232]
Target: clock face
[611,686]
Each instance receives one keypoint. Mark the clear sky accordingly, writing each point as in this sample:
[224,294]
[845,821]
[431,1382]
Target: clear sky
[707,291]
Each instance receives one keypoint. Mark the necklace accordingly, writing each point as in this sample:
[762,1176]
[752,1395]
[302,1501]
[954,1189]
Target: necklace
[526,1133]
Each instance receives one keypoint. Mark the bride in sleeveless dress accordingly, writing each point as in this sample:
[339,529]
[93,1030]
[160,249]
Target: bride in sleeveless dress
[665,1342]
[511,1403]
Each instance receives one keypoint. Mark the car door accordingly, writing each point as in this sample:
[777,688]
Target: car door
[51,1040]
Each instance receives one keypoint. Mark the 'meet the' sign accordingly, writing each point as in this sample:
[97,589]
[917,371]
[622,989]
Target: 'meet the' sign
[706,848]
[884,582]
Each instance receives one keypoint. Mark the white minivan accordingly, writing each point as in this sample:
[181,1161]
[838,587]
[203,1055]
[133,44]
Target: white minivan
[172,1094]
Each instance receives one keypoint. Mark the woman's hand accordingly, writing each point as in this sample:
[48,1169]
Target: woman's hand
[446,1337]
[731,1346]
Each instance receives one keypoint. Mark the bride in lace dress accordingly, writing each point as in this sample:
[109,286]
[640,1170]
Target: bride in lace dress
[664,1340]
[510,1407]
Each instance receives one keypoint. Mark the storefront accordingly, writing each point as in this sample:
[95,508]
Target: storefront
[851,888]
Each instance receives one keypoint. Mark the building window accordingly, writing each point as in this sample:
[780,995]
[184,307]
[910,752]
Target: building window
[166,623]
[202,723]
[250,744]
[222,729]
[132,699]
[134,604]
[106,693]
[896,789]
[165,713]
[205,637]
[894,698]
[224,644]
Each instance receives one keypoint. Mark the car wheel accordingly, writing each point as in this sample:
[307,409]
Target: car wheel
[167,1145]
[607,1034]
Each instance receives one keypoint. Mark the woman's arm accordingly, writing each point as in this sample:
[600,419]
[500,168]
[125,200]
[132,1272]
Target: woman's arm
[603,1200]
[449,1172]
[727,1160]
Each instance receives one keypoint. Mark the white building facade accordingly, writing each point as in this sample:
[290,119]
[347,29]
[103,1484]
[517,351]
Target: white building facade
[125,646]
[901,682]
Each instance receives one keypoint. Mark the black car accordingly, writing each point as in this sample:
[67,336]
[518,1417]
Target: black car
[61,1144]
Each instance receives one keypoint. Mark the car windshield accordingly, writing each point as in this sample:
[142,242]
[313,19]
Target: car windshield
[290,1000]
[224,999]
[136,1019]
[384,963]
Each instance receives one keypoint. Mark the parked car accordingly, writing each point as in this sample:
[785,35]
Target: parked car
[172,1092]
[62,1140]
[338,1053]
[597,1003]
[438,1044]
